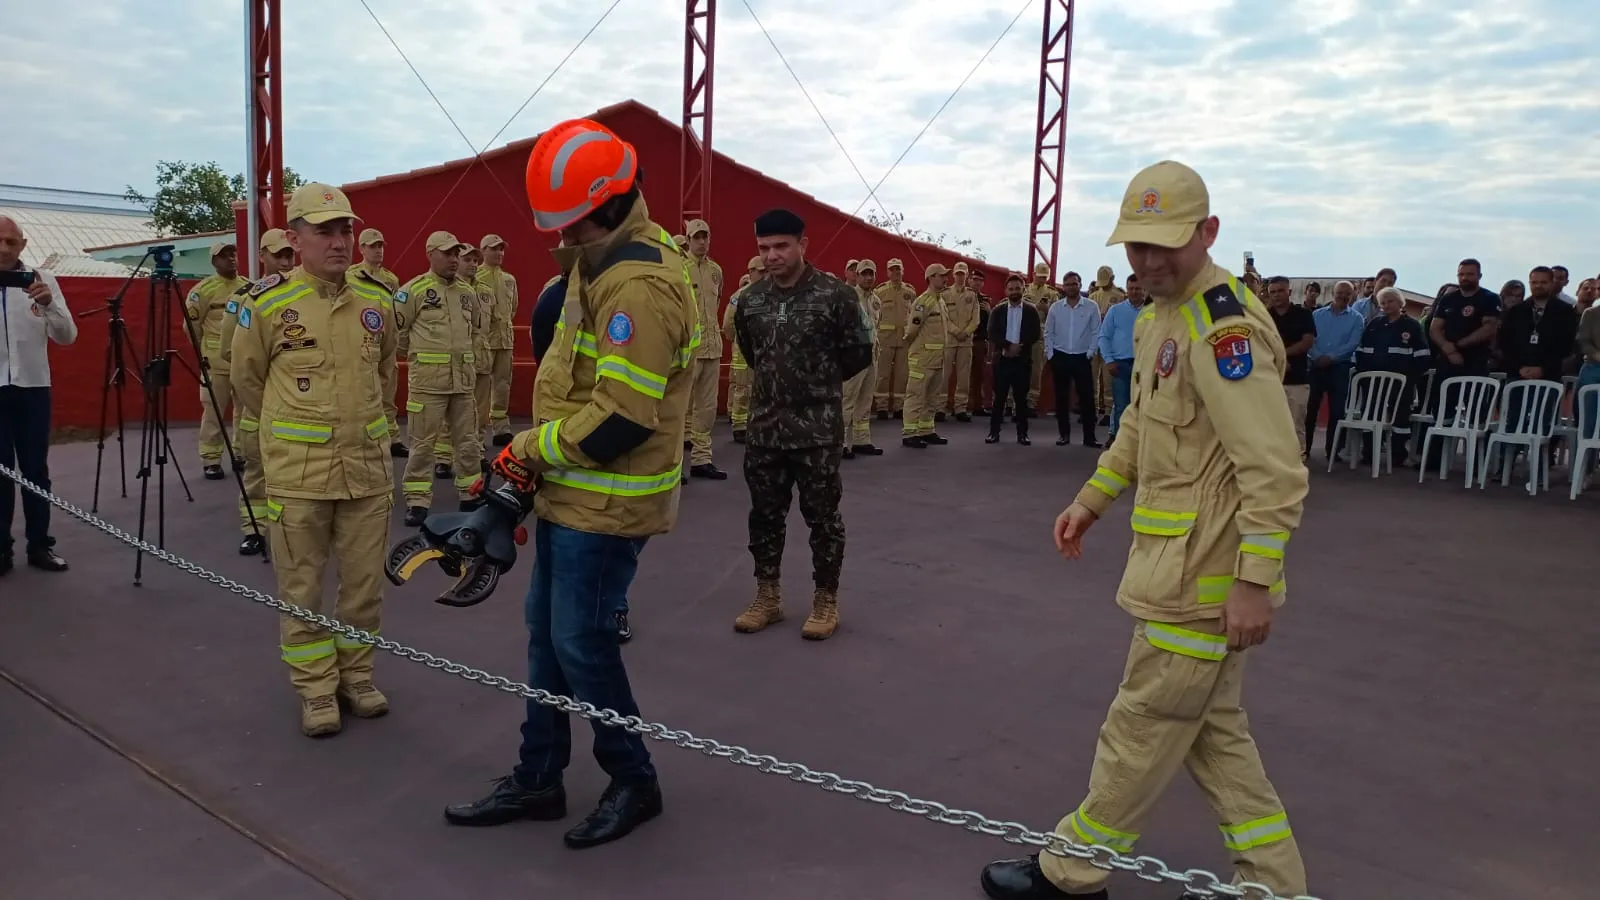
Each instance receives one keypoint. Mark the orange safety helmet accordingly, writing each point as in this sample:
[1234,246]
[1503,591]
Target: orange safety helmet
[574,168]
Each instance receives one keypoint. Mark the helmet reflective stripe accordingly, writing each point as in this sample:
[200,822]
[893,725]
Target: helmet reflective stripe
[558,167]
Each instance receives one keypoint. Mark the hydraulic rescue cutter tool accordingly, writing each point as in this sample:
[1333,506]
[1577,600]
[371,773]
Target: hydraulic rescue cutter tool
[472,547]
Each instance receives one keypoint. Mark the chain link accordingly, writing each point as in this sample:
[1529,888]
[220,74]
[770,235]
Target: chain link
[1197,882]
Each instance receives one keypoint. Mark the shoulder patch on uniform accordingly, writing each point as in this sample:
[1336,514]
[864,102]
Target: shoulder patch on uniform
[1221,303]
[620,329]
[265,284]
[233,307]
[402,296]
[243,289]
[244,317]
[1230,344]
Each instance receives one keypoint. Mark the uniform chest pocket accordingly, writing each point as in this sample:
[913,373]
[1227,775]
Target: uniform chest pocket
[1171,401]
[1167,448]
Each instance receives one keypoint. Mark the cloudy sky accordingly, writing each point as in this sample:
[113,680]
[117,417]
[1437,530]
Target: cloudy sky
[1337,135]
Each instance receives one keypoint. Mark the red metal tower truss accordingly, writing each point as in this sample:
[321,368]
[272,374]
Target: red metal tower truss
[1050,143]
[264,59]
[699,65]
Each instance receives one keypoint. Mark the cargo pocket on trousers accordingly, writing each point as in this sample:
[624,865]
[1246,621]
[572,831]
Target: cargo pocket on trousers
[1164,680]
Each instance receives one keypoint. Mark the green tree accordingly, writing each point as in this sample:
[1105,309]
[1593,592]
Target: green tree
[192,198]
[896,222]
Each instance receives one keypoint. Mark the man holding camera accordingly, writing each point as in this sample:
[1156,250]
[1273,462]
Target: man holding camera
[32,312]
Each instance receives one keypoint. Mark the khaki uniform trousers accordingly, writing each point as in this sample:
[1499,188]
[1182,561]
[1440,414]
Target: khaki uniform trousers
[1102,386]
[500,394]
[959,358]
[858,405]
[1299,398]
[923,386]
[438,423]
[211,439]
[391,412]
[889,394]
[247,444]
[739,396]
[305,534]
[702,409]
[1037,376]
[483,401]
[1174,709]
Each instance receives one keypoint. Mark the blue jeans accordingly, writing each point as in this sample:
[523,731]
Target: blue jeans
[580,582]
[1589,374]
[1121,391]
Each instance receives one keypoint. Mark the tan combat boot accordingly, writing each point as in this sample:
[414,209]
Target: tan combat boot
[363,699]
[319,716]
[824,618]
[766,609]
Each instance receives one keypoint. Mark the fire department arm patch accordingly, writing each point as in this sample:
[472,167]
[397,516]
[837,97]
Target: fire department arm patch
[1230,345]
[620,329]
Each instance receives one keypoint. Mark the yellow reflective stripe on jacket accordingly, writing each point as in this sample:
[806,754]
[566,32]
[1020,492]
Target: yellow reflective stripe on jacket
[248,424]
[279,301]
[639,378]
[584,343]
[1182,641]
[413,406]
[372,294]
[434,359]
[1108,482]
[1198,316]
[299,431]
[378,428]
[304,653]
[350,643]
[1269,546]
[1093,832]
[933,346]
[685,356]
[550,445]
[1213,589]
[1147,520]
[274,511]
[1256,832]
[614,484]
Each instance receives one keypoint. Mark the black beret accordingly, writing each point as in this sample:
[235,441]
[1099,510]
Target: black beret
[776,222]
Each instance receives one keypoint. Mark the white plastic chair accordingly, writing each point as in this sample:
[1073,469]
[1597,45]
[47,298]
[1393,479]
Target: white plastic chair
[1374,403]
[1587,408]
[1420,418]
[1566,435]
[1528,412]
[1465,404]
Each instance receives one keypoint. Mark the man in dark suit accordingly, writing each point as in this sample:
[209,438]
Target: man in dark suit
[1013,330]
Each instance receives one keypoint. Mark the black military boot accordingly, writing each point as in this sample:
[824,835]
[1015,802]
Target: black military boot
[934,440]
[399,450]
[624,806]
[708,470]
[443,471]
[415,516]
[963,417]
[849,453]
[213,472]
[1022,879]
[738,435]
[915,443]
[47,560]
[510,801]
[867,450]
[939,417]
[252,545]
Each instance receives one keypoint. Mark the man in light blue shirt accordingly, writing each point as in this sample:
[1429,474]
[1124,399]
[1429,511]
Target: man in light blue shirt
[1116,347]
[1368,306]
[1332,354]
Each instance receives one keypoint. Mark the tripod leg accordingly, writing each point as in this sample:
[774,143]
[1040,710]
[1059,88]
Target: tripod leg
[105,397]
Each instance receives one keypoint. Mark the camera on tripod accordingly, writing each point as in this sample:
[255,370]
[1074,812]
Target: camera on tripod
[161,259]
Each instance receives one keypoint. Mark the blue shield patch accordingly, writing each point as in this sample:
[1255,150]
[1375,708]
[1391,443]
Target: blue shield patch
[372,320]
[1231,347]
[244,317]
[620,329]
[233,307]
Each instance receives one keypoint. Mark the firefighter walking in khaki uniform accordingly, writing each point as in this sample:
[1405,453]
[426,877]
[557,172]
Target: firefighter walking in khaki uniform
[311,354]
[926,339]
[738,368]
[1041,295]
[858,390]
[371,269]
[277,258]
[1209,450]
[706,276]
[502,338]
[961,303]
[438,310]
[206,310]
[1105,295]
[894,298]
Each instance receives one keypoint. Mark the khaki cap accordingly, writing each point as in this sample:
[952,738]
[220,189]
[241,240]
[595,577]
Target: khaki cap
[369,236]
[274,240]
[854,263]
[318,203]
[218,246]
[935,269]
[445,241]
[1041,269]
[756,263]
[491,241]
[697,226]
[960,267]
[894,264]
[469,250]
[867,265]
[1162,206]
[681,240]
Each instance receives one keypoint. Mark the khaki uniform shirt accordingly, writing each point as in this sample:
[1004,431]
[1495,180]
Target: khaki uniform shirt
[436,327]
[928,331]
[502,287]
[706,276]
[961,304]
[207,310]
[893,312]
[381,275]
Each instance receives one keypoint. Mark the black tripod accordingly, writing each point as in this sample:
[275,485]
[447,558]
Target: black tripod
[120,354]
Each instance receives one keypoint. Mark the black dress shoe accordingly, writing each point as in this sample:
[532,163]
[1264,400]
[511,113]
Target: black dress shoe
[1022,879]
[1092,444]
[1023,440]
[963,417]
[510,802]
[46,560]
[914,443]
[443,470]
[867,450]
[399,450]
[624,630]
[707,470]
[1062,441]
[214,472]
[416,515]
[252,545]
[992,439]
[624,806]
[849,453]
[934,440]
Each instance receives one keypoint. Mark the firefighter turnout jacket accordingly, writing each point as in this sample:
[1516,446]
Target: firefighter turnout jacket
[436,327]
[207,309]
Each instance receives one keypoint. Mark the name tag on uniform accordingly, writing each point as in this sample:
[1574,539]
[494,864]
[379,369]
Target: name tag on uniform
[303,344]
[783,312]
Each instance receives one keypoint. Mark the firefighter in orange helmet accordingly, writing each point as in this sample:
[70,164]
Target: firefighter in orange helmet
[603,459]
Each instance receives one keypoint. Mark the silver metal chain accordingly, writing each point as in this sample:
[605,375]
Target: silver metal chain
[1197,882]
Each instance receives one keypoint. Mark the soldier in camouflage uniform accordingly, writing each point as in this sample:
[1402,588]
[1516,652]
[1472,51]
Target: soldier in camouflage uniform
[803,334]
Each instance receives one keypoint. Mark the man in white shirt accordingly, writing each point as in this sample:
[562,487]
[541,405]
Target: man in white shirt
[30,317]
[1071,339]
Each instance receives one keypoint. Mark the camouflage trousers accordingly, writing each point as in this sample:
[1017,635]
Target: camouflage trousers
[773,477]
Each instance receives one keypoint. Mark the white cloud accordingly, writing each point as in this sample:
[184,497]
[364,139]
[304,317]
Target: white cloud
[1337,135]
